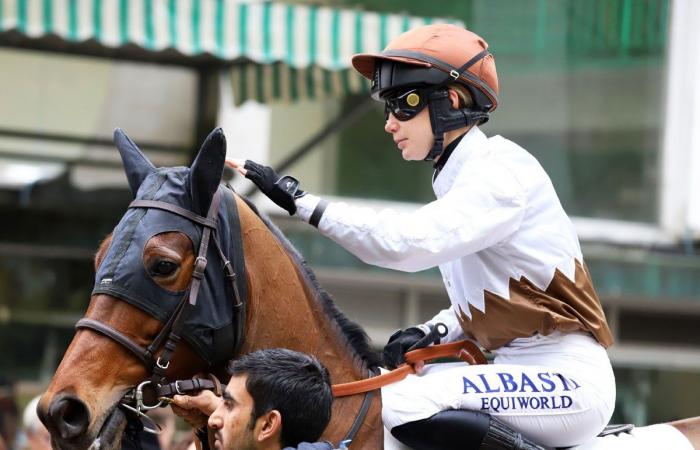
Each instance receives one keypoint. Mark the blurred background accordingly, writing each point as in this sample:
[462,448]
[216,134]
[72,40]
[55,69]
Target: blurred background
[605,93]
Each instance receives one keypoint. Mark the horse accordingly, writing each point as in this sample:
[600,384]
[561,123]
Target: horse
[273,300]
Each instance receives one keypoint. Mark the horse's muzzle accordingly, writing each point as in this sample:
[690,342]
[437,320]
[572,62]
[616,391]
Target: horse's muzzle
[67,416]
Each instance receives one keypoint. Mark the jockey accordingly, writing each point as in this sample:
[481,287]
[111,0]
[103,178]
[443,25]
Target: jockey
[508,254]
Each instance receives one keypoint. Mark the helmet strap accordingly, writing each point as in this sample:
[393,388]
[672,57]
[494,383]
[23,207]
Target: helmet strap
[444,118]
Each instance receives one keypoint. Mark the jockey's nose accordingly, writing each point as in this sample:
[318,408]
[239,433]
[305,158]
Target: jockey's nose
[392,125]
[68,415]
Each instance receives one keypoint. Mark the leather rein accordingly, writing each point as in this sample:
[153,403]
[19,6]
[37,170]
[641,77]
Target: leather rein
[171,333]
[464,350]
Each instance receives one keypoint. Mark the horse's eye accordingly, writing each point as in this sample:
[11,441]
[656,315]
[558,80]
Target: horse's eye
[163,268]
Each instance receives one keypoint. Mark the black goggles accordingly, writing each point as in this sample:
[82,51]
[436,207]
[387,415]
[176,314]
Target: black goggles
[405,105]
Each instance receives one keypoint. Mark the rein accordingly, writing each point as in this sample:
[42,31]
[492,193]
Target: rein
[465,350]
[171,332]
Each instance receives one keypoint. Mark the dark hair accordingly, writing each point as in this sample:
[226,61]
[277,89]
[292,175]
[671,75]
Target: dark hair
[295,384]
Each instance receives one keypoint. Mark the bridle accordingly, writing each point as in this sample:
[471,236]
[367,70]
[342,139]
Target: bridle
[171,333]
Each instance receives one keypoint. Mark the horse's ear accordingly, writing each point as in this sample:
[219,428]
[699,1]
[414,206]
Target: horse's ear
[136,165]
[206,171]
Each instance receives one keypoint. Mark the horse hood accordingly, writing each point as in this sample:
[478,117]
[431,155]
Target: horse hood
[209,325]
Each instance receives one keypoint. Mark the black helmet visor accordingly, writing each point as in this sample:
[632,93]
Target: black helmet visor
[390,76]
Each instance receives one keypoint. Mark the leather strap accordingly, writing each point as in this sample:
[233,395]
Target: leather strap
[165,206]
[459,349]
[125,341]
[464,350]
[359,419]
[180,387]
[471,62]
[235,271]
[200,265]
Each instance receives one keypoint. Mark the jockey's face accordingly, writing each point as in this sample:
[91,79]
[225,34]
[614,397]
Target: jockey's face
[413,137]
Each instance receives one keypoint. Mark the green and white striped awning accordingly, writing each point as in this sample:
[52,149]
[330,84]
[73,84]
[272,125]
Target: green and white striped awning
[283,52]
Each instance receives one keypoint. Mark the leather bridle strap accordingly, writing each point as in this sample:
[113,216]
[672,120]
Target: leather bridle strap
[360,418]
[181,387]
[140,352]
[209,221]
[200,265]
[464,350]
[235,271]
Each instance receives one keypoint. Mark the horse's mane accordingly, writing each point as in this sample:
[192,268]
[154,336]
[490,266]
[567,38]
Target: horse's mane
[355,336]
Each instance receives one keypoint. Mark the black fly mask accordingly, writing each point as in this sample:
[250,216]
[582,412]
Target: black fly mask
[190,201]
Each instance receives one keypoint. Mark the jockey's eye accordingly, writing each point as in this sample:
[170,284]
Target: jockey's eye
[163,268]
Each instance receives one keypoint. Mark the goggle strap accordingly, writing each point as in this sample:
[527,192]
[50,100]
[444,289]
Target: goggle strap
[468,64]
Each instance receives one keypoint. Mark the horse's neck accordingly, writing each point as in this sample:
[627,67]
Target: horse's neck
[283,311]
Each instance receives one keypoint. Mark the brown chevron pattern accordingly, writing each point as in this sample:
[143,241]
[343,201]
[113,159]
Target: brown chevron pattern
[565,305]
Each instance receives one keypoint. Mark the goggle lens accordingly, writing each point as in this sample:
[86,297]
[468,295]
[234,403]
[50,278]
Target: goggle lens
[405,106]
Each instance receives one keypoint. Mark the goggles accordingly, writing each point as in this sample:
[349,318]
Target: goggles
[405,105]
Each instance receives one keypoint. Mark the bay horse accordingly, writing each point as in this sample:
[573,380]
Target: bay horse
[149,269]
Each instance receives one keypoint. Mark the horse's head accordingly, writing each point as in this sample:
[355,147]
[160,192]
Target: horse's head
[149,273]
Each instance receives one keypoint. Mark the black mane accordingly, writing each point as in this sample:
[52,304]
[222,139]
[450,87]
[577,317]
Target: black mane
[356,337]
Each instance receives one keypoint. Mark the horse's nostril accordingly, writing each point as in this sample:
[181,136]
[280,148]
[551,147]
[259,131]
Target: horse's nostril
[70,416]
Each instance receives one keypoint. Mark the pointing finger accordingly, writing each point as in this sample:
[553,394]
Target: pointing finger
[237,165]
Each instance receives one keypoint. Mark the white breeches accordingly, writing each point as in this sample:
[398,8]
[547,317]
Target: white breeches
[557,390]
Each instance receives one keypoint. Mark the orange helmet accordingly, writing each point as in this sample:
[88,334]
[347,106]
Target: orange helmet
[433,55]
[415,69]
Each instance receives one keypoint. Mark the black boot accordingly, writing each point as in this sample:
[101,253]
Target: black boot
[460,429]
[502,437]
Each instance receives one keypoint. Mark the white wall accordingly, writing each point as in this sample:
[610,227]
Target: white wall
[88,97]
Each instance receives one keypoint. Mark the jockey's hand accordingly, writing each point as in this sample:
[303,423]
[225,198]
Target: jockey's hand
[195,409]
[398,344]
[281,190]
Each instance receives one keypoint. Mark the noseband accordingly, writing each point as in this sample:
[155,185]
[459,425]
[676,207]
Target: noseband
[171,333]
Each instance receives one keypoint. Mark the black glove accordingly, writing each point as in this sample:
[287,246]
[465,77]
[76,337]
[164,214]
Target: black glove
[281,190]
[398,344]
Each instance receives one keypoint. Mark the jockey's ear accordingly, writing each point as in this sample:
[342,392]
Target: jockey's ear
[136,165]
[206,171]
